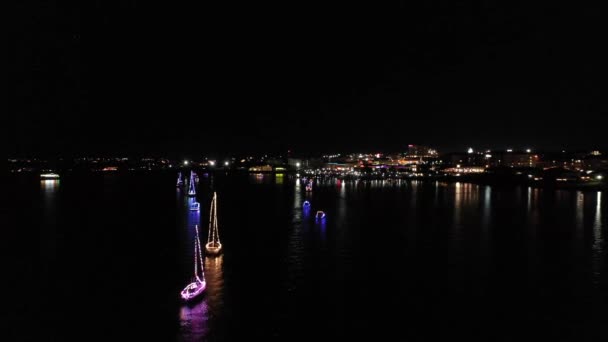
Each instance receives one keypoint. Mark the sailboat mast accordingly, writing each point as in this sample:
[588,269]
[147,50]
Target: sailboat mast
[195,254]
[211,216]
[200,254]
[216,233]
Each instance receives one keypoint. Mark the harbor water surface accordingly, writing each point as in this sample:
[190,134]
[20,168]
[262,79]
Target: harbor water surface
[410,260]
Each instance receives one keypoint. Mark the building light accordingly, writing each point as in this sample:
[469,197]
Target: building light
[185,162]
[488,156]
[212,163]
[298,164]
[509,150]
[599,177]
[528,150]
[470,150]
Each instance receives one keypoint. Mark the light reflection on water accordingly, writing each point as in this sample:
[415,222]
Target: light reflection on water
[476,219]
[214,275]
[598,240]
[193,320]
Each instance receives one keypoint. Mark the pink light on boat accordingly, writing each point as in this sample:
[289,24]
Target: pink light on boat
[194,289]
[198,285]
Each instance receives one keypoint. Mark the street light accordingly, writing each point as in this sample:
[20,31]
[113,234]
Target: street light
[185,162]
[226,163]
[298,164]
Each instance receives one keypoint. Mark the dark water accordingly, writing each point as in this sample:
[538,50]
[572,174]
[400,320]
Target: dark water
[398,261]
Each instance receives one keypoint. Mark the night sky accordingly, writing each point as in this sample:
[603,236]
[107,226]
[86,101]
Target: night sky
[164,78]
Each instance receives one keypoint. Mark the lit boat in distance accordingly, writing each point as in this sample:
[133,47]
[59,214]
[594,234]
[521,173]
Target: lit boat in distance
[180,180]
[306,204]
[309,185]
[198,284]
[49,175]
[195,206]
[320,215]
[191,186]
[213,246]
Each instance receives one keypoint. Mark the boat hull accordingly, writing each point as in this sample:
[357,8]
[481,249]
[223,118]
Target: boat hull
[213,249]
[193,290]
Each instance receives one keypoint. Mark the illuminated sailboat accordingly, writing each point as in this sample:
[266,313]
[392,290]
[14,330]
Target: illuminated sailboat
[180,180]
[198,284]
[195,206]
[309,185]
[191,185]
[213,246]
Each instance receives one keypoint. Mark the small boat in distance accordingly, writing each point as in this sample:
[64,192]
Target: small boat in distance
[191,186]
[213,246]
[49,175]
[309,185]
[180,180]
[195,206]
[198,285]
[320,215]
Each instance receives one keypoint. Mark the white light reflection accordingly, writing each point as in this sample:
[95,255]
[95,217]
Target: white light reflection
[580,202]
[214,275]
[598,240]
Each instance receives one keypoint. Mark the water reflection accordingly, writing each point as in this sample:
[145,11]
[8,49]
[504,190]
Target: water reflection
[49,185]
[598,239]
[465,200]
[529,199]
[465,195]
[214,275]
[257,178]
[295,248]
[48,235]
[487,208]
[322,224]
[193,321]
[194,216]
[580,203]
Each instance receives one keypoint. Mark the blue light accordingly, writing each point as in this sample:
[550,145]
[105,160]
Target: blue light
[306,204]
[195,206]
[320,215]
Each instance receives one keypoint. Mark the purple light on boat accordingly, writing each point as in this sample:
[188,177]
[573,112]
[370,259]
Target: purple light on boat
[198,285]
[306,204]
[194,289]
